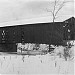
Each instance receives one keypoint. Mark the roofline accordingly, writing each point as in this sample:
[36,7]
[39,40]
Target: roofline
[18,24]
[22,22]
[30,24]
[69,18]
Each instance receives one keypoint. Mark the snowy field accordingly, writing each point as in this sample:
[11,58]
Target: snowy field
[52,63]
[39,64]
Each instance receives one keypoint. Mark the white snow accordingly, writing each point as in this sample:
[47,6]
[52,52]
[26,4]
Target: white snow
[39,64]
[50,64]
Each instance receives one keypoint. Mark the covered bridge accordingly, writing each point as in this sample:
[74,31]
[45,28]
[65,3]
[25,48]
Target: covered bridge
[47,33]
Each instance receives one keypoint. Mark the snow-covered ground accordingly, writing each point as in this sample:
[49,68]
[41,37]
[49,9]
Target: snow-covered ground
[38,64]
[52,63]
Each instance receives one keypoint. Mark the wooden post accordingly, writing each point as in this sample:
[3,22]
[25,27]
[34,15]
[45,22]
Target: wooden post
[49,48]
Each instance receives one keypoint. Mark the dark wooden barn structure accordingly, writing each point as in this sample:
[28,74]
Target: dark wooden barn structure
[69,29]
[41,33]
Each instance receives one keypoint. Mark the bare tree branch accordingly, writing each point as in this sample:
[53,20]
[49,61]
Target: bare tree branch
[49,10]
[59,9]
[58,5]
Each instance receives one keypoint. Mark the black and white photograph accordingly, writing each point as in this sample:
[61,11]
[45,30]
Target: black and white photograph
[37,37]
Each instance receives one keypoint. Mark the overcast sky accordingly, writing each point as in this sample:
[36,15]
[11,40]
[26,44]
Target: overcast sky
[31,11]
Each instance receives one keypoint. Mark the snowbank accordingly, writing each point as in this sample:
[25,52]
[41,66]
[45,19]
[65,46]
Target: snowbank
[29,46]
[50,63]
[38,64]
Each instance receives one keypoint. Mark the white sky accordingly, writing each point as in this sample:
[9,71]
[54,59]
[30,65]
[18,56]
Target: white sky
[31,11]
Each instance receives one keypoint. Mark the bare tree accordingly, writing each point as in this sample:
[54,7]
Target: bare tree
[55,7]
